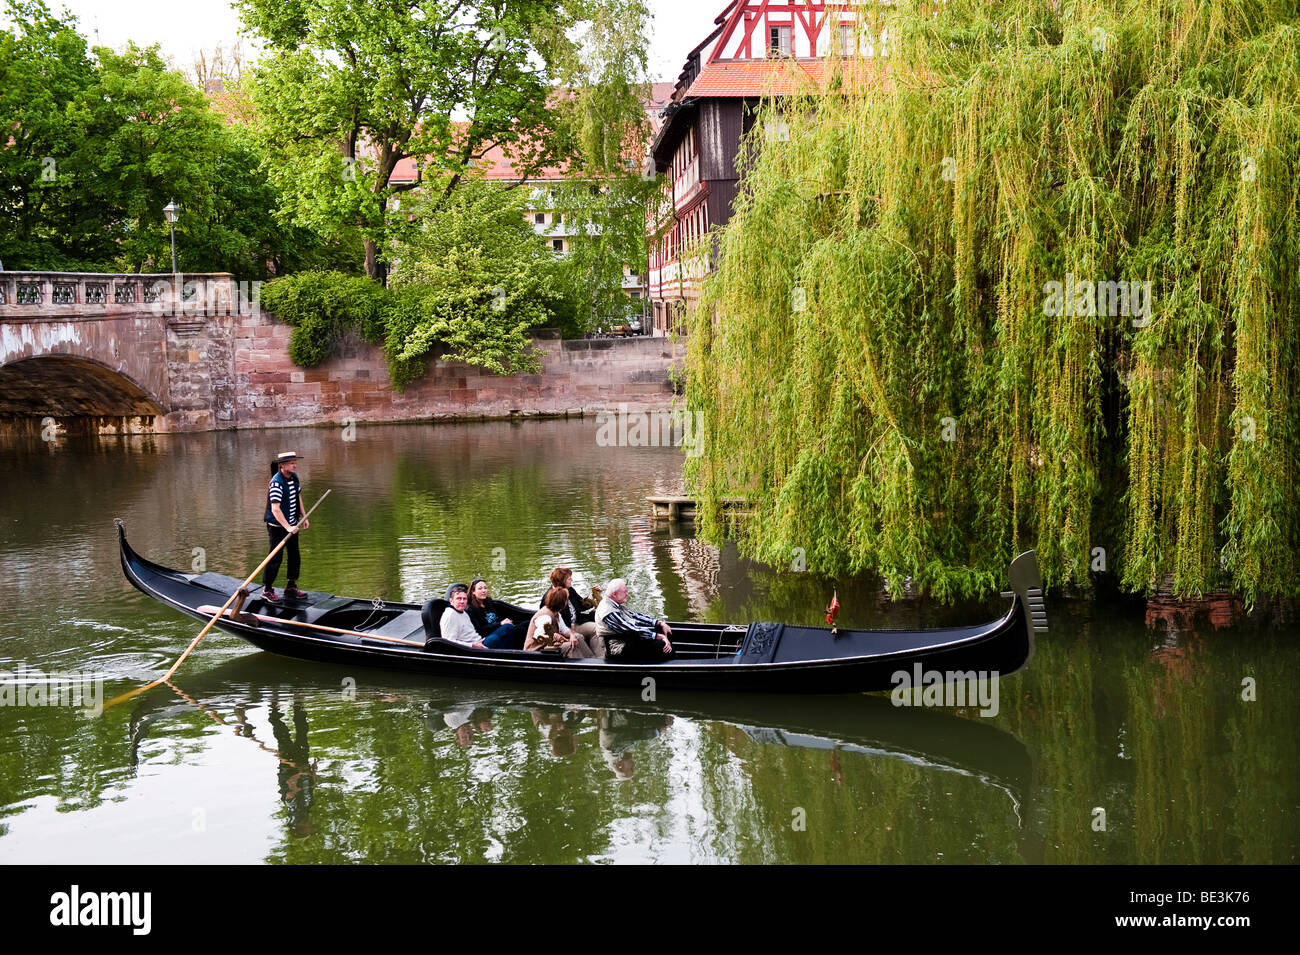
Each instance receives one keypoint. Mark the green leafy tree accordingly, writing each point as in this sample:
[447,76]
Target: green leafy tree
[348,89]
[607,217]
[940,409]
[470,278]
[94,145]
[476,277]
[150,138]
[44,72]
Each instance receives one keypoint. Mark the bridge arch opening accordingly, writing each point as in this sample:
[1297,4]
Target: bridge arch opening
[82,396]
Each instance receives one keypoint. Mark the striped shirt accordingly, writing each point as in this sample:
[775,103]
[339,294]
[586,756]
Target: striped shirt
[627,634]
[613,620]
[283,491]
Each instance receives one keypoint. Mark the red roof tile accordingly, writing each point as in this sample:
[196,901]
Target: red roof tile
[660,95]
[497,165]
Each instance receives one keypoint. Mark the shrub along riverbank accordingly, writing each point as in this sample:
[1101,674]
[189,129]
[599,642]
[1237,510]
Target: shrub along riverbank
[469,275]
[1035,283]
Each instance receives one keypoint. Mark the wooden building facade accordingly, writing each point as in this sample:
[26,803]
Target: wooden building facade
[757,48]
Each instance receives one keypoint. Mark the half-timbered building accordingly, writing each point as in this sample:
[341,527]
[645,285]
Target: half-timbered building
[757,48]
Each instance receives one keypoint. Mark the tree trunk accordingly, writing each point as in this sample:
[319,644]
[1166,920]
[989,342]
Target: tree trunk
[375,269]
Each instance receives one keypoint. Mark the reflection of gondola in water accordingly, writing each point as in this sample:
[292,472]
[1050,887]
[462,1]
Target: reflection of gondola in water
[868,726]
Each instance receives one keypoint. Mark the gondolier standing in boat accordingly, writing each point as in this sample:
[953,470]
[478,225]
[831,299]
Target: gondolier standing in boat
[284,518]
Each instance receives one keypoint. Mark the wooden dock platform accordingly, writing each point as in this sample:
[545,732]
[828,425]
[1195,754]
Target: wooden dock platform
[675,507]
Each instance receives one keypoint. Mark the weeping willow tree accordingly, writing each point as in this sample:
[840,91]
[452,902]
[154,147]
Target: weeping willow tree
[1032,281]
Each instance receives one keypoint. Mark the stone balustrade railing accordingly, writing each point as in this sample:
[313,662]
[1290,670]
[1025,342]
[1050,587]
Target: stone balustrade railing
[28,295]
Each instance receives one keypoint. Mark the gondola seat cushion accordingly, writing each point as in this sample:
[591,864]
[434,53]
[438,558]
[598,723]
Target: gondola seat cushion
[431,617]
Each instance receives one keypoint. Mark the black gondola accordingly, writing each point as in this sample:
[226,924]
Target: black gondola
[762,657]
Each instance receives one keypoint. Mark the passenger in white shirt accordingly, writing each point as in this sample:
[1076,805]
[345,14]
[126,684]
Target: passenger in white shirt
[455,624]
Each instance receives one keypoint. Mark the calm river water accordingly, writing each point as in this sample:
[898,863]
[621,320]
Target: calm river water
[1121,743]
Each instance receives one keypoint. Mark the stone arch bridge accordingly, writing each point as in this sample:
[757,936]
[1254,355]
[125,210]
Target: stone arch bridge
[115,354]
[129,354]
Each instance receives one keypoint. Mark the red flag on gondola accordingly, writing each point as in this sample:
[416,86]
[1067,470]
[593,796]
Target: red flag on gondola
[833,610]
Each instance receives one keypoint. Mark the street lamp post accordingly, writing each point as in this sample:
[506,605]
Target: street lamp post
[170,212]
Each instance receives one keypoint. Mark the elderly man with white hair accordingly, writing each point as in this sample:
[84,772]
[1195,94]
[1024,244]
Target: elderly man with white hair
[628,636]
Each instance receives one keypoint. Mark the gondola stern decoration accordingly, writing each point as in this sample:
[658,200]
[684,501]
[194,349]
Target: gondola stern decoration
[1027,585]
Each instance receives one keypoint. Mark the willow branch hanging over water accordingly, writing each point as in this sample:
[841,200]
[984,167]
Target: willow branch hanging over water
[1032,281]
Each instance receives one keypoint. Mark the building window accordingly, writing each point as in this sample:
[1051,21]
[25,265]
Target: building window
[869,47]
[778,41]
[848,39]
[557,245]
[539,218]
[776,131]
[636,295]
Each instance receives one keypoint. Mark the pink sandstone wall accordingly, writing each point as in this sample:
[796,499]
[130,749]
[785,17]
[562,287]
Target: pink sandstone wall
[577,377]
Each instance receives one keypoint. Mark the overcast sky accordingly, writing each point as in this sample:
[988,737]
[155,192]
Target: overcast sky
[183,27]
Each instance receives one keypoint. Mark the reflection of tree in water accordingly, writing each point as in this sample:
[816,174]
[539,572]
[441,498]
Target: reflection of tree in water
[876,784]
[543,509]
[537,789]
[294,776]
[853,802]
[525,779]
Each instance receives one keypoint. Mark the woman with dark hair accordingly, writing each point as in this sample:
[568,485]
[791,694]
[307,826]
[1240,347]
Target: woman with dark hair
[491,620]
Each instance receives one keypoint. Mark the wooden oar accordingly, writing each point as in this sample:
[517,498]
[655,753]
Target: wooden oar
[215,617]
[316,626]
